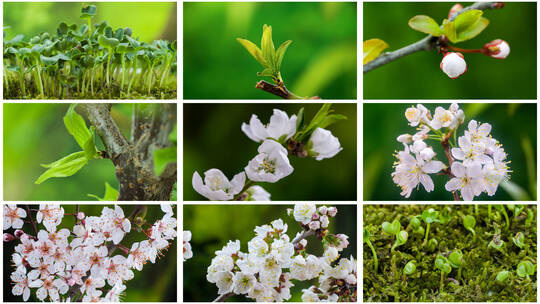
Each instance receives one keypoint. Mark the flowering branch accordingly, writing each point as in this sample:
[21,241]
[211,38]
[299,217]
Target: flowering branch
[426,44]
[32,219]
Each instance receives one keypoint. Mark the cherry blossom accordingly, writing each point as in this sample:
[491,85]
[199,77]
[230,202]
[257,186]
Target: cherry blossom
[216,186]
[51,215]
[270,165]
[280,128]
[323,144]
[13,216]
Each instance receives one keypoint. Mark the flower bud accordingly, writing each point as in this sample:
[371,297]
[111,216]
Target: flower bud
[332,211]
[80,215]
[303,242]
[405,138]
[453,65]
[324,221]
[315,216]
[456,8]
[344,240]
[323,144]
[497,49]
[18,233]
[8,237]
[314,225]
[322,210]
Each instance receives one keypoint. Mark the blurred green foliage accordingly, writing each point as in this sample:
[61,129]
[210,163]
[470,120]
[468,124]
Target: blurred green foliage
[155,283]
[320,61]
[148,20]
[213,139]
[35,134]
[212,226]
[419,76]
[513,125]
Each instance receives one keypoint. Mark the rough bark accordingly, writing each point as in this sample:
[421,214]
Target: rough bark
[133,159]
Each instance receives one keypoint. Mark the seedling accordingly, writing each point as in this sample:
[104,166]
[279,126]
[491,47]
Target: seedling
[456,261]
[394,229]
[416,225]
[89,62]
[429,216]
[501,209]
[502,276]
[445,216]
[410,268]
[516,209]
[367,240]
[498,244]
[519,240]
[469,222]
[525,269]
[444,267]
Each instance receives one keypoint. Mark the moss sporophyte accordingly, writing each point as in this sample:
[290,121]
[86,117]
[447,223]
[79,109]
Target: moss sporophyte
[89,62]
[496,262]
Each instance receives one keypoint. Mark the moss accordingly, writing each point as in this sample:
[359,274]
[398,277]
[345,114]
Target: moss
[481,265]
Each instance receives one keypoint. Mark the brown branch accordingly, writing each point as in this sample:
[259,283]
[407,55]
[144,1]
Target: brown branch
[32,220]
[280,91]
[99,115]
[426,44]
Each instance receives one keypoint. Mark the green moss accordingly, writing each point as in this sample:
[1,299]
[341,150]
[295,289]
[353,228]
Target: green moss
[481,264]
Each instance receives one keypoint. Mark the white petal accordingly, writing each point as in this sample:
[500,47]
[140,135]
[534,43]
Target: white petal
[238,182]
[457,153]
[453,184]
[433,166]
[427,182]
[458,169]
[467,193]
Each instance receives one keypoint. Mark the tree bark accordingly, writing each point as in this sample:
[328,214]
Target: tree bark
[134,159]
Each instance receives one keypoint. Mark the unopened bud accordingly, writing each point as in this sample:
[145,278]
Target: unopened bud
[498,5]
[456,8]
[315,216]
[18,233]
[453,65]
[303,242]
[314,225]
[8,237]
[332,211]
[80,215]
[405,138]
[497,49]
[324,221]
[322,210]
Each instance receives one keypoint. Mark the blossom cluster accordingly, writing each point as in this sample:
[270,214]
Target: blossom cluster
[265,273]
[271,164]
[476,162]
[77,264]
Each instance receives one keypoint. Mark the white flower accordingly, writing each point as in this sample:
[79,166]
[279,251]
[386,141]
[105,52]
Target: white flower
[303,213]
[115,223]
[309,296]
[282,250]
[479,135]
[188,254]
[467,180]
[257,193]
[22,283]
[224,281]
[230,249]
[270,165]
[167,208]
[405,138]
[331,254]
[416,115]
[12,216]
[51,215]
[443,119]
[216,186]
[497,49]
[243,283]
[323,144]
[280,128]
[453,65]
[469,153]
[117,270]
[258,247]
[324,221]
[261,293]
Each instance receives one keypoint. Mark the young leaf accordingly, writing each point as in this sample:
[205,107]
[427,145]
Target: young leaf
[76,126]
[267,46]
[300,118]
[88,12]
[111,194]
[66,166]
[280,53]
[467,19]
[449,30]
[372,48]
[162,157]
[90,146]
[425,24]
[253,50]
[472,31]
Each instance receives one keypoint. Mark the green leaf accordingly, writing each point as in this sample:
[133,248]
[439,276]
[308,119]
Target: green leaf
[76,126]
[425,24]
[111,194]
[90,146]
[88,12]
[472,31]
[330,119]
[372,48]
[253,50]
[172,136]
[280,53]
[300,118]
[162,157]
[63,167]
[267,46]
[108,42]
[449,29]
[467,19]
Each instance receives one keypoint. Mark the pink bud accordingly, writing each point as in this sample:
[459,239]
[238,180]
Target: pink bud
[314,225]
[456,8]
[324,221]
[332,211]
[8,237]
[322,210]
[344,240]
[80,215]
[18,233]
[497,49]
[453,65]
[315,216]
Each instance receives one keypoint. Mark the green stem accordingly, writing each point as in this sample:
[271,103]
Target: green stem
[442,283]
[427,234]
[506,218]
[374,255]
[123,71]
[132,77]
[109,65]
[489,211]
[166,70]
[459,273]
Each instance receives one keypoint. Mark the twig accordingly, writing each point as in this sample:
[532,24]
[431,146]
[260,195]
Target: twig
[450,158]
[426,44]
[295,241]
[280,91]
[99,115]
[32,220]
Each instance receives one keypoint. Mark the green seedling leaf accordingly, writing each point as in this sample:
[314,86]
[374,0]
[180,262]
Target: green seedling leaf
[367,235]
[445,216]
[88,12]
[425,24]
[502,276]
[372,48]
[410,268]
[456,259]
[267,46]
[76,126]
[449,30]
[280,53]
[415,222]
[111,194]
[472,31]
[253,50]
[108,43]
[525,269]
[391,229]
[64,167]
[119,34]
[442,264]
[469,222]
[62,29]
[519,240]
[15,39]
[162,157]
[430,216]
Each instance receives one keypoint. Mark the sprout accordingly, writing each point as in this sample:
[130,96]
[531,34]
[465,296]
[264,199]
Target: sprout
[469,222]
[445,216]
[429,216]
[519,240]
[394,229]
[444,266]
[367,240]
[502,276]
[516,209]
[503,211]
[456,261]
[525,269]
[497,244]
[410,268]
[416,225]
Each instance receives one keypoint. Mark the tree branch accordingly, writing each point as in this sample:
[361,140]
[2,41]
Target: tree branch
[31,220]
[280,91]
[99,115]
[426,44]
[295,241]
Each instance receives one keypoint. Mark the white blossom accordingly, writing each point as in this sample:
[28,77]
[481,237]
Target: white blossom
[216,186]
[322,144]
[280,128]
[270,165]
[13,216]
[453,65]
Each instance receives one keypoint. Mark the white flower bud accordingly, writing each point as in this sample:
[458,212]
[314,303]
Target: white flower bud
[322,210]
[314,225]
[497,49]
[453,65]
[323,144]
[332,211]
[405,138]
[324,221]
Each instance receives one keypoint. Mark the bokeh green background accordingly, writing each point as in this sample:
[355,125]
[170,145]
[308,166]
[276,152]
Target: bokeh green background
[419,75]
[212,226]
[213,139]
[35,134]
[513,125]
[148,20]
[155,283]
[320,61]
